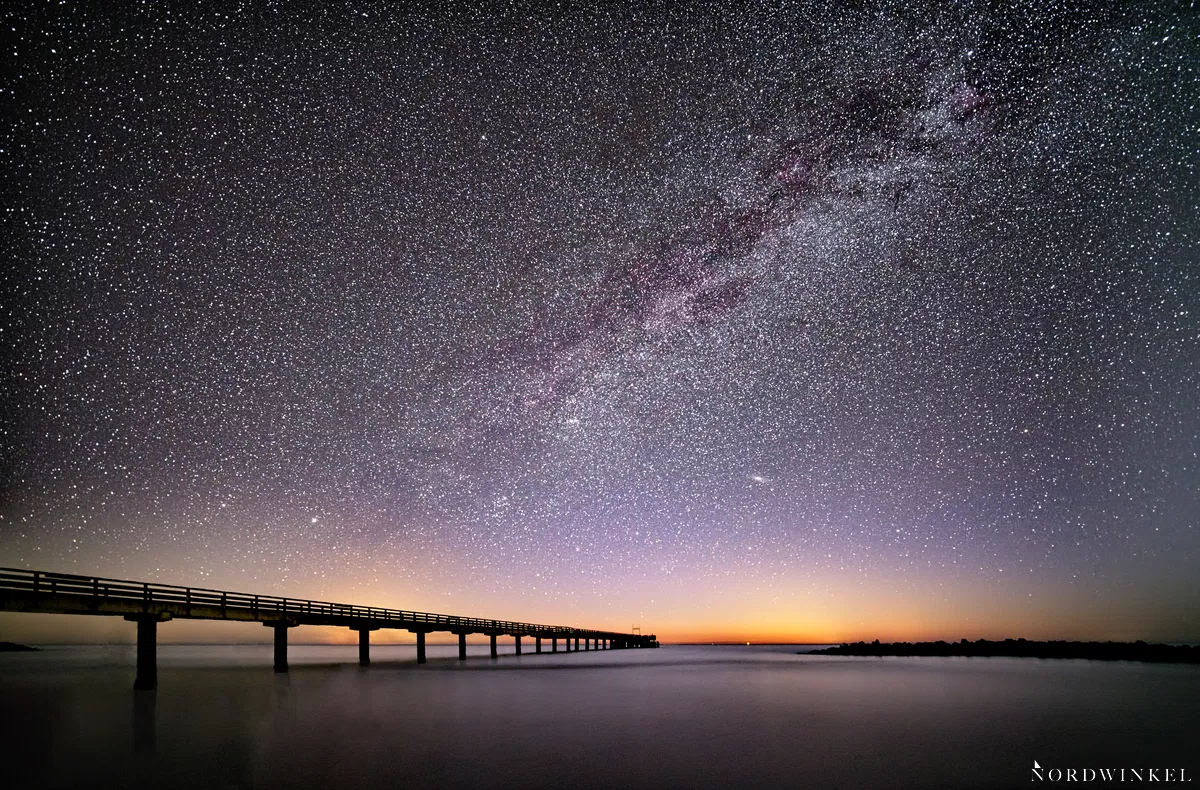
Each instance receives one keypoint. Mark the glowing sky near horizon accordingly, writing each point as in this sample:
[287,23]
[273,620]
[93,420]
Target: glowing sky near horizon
[736,322]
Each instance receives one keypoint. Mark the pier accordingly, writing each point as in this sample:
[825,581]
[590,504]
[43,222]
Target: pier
[147,604]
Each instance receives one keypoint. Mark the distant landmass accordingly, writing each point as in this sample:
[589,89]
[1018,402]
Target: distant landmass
[1022,648]
[13,647]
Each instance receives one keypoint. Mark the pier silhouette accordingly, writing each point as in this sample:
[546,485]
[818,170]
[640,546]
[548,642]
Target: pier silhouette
[149,604]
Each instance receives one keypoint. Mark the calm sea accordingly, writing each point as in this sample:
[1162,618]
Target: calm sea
[673,717]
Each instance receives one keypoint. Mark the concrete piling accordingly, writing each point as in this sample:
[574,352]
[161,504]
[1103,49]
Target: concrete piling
[147,654]
[281,659]
[364,646]
[147,648]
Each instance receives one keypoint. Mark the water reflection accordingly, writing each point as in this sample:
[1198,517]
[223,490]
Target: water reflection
[698,717]
[145,704]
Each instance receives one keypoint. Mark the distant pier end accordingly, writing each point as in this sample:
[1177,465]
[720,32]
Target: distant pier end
[148,604]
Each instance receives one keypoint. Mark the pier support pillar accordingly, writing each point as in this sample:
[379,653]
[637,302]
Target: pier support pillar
[147,654]
[517,643]
[554,644]
[587,644]
[281,628]
[537,644]
[147,648]
[420,647]
[364,646]
[493,645]
[462,646]
[576,644]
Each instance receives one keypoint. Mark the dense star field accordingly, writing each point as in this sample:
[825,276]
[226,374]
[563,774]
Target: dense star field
[736,321]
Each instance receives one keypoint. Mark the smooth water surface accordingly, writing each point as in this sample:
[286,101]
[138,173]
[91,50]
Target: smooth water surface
[673,717]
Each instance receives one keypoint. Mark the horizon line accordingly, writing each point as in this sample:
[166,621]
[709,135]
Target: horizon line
[689,643]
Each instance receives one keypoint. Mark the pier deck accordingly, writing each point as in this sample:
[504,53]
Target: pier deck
[148,604]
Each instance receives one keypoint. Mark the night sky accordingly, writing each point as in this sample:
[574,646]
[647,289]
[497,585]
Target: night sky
[739,321]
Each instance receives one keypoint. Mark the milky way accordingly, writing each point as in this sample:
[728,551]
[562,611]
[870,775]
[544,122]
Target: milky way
[613,313]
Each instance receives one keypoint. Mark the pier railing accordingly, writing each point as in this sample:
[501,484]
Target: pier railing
[151,595]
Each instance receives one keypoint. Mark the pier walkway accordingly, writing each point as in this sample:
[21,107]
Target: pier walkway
[148,604]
